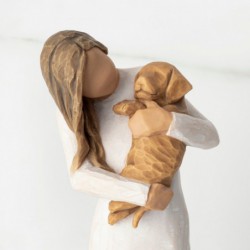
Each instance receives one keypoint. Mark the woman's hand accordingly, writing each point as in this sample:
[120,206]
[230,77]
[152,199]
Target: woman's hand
[152,120]
[159,197]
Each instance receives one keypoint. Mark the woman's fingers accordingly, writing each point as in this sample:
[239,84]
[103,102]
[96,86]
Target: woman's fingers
[146,122]
[159,196]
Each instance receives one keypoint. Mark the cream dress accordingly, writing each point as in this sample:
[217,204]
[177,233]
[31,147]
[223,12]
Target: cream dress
[157,230]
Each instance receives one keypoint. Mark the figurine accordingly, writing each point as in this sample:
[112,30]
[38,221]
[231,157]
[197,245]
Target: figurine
[154,158]
[85,85]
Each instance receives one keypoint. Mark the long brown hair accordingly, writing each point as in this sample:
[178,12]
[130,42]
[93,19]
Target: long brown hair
[63,60]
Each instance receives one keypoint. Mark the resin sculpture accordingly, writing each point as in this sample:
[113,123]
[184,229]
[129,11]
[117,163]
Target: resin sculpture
[154,158]
[85,85]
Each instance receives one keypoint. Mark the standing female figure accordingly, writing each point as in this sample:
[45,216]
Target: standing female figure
[85,85]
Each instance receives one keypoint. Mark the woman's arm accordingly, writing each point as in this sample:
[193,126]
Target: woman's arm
[96,181]
[193,129]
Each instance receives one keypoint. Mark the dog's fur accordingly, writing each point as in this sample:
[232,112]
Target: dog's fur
[157,157]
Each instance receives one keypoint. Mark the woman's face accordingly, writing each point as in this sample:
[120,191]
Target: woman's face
[101,76]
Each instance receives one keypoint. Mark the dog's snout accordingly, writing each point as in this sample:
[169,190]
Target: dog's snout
[143,83]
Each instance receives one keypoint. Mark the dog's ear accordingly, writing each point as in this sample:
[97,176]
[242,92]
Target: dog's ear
[177,87]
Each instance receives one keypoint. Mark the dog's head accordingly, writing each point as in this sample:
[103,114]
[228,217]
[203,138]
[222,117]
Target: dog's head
[160,81]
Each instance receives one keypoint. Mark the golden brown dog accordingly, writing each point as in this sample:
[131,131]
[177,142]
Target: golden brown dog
[153,158]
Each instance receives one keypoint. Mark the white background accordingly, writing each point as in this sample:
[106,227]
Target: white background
[208,41]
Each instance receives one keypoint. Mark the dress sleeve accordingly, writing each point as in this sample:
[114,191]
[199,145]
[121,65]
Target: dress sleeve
[96,181]
[193,129]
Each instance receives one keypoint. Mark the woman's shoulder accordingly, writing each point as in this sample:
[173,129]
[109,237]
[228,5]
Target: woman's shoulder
[129,71]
